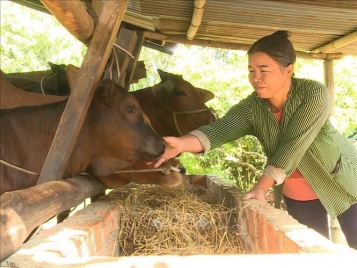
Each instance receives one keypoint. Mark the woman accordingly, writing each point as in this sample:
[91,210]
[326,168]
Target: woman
[290,118]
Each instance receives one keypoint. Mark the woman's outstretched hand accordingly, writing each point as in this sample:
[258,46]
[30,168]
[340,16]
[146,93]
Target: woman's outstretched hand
[173,148]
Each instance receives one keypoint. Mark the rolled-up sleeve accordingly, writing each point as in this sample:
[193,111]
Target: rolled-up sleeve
[206,144]
[277,174]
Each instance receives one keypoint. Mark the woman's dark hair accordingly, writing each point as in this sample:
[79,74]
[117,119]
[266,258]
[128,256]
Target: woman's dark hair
[277,46]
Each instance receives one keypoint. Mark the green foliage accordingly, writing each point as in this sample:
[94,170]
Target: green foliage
[30,39]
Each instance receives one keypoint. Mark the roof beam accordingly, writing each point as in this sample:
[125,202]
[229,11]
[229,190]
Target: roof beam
[73,16]
[343,41]
[231,46]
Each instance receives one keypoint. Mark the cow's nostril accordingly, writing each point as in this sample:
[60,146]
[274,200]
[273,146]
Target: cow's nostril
[182,170]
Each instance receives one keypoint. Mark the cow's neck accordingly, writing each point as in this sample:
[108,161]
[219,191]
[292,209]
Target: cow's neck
[154,109]
[81,155]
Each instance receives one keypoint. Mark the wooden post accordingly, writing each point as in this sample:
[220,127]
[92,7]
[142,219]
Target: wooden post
[329,81]
[335,229]
[24,210]
[84,88]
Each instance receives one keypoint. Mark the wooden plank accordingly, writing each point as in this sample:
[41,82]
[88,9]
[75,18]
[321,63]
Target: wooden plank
[23,210]
[84,88]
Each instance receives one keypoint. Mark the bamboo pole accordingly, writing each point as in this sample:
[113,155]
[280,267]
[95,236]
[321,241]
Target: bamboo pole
[196,18]
[343,41]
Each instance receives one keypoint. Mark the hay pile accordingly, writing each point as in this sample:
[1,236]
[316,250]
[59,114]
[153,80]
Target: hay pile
[176,221]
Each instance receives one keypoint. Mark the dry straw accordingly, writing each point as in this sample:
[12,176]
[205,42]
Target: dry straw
[175,221]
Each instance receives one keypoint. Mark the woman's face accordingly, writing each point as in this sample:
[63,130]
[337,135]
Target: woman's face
[267,77]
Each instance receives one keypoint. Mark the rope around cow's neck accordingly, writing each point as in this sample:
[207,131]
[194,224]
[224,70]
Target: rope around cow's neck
[41,84]
[163,170]
[18,168]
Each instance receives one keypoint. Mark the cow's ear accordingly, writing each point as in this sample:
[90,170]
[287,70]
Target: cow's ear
[71,74]
[165,76]
[205,94]
[103,95]
[53,66]
[162,74]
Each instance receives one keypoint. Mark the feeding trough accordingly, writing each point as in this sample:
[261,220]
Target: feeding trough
[109,231]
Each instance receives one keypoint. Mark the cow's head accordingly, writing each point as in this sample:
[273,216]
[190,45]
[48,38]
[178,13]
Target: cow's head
[185,104]
[56,83]
[119,130]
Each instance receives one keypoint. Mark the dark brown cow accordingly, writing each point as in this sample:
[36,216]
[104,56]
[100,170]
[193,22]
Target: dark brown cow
[13,97]
[114,135]
[50,82]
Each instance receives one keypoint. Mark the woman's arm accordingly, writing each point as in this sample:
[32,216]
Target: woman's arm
[176,145]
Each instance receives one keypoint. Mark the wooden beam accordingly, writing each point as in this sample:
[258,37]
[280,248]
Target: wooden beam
[232,46]
[199,7]
[24,210]
[206,43]
[73,16]
[319,56]
[84,88]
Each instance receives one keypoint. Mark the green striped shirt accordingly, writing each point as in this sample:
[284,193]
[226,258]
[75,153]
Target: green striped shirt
[305,139]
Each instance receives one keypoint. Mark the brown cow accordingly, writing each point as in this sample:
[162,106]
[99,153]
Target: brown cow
[113,136]
[174,106]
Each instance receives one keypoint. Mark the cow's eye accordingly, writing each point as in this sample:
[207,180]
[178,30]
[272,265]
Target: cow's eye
[130,108]
[180,93]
